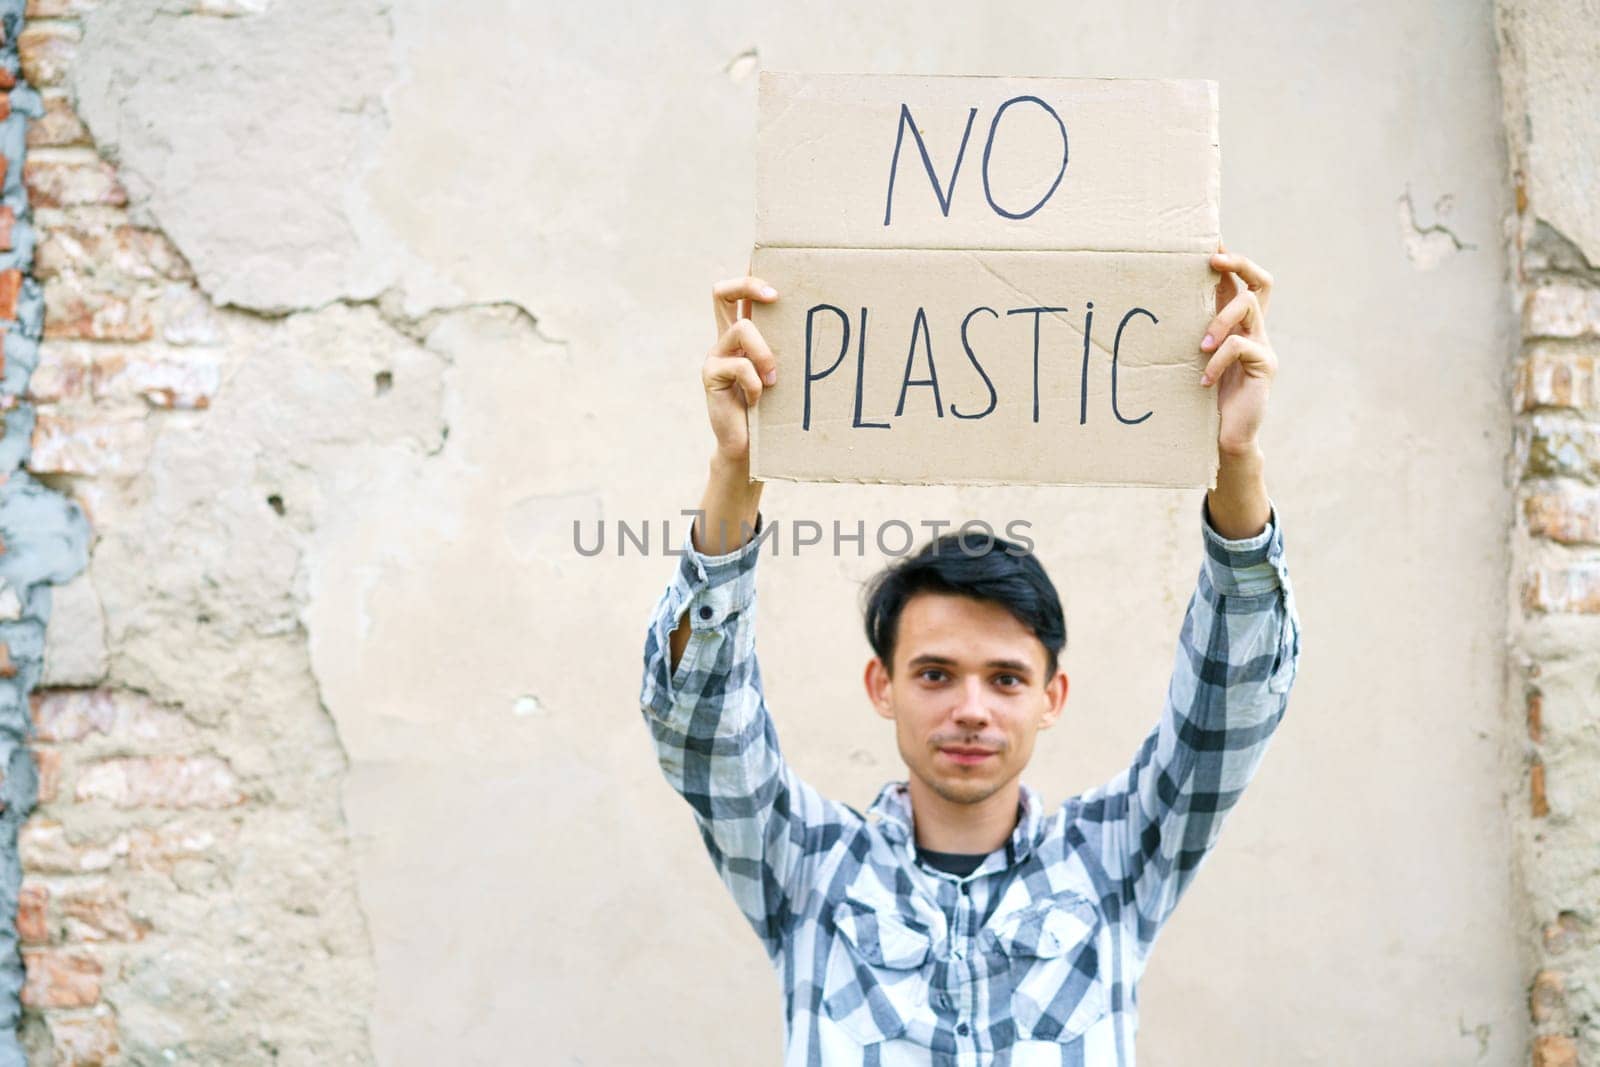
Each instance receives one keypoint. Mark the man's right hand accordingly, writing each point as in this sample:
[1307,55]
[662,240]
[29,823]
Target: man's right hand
[738,366]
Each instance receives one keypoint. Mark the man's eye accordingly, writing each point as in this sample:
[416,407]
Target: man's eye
[932,674]
[1008,680]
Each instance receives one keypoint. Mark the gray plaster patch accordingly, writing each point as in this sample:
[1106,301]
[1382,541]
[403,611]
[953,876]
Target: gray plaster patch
[256,187]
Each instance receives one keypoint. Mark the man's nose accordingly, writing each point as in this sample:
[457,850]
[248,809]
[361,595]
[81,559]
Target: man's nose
[973,708]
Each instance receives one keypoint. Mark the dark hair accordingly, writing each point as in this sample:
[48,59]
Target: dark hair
[1000,572]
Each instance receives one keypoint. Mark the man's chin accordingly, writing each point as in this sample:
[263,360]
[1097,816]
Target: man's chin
[969,790]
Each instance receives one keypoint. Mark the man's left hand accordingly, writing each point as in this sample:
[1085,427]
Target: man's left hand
[1242,362]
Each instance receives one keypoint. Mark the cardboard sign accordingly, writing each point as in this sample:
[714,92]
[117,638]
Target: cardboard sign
[986,280]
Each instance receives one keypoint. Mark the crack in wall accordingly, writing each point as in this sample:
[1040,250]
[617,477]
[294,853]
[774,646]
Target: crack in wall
[1427,246]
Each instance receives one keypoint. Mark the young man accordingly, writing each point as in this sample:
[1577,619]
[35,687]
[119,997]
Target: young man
[957,921]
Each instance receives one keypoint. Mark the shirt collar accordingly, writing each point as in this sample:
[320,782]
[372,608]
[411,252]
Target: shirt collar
[891,813]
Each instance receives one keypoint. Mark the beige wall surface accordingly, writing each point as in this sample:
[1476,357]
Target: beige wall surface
[529,202]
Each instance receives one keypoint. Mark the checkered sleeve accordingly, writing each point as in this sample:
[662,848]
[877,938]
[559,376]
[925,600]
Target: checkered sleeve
[1238,652]
[716,743]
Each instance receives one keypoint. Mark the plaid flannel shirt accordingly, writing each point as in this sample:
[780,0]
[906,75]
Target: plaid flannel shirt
[1034,957]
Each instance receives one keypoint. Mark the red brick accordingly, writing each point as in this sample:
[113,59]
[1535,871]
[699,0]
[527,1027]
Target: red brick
[58,127]
[1539,803]
[97,911]
[48,761]
[168,380]
[8,219]
[1561,310]
[33,901]
[61,376]
[8,80]
[1535,710]
[1564,511]
[63,444]
[83,1040]
[52,183]
[74,714]
[126,252]
[1563,589]
[43,845]
[1557,447]
[1567,932]
[59,9]
[1547,997]
[161,848]
[10,289]
[76,309]
[7,668]
[161,782]
[60,978]
[1555,1050]
[46,51]
[1556,378]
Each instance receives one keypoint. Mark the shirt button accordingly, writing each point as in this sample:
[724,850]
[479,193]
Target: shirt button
[705,611]
[963,1029]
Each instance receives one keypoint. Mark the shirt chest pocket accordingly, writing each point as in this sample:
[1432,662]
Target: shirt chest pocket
[1051,950]
[876,986]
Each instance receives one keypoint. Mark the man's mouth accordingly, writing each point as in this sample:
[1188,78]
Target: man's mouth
[965,755]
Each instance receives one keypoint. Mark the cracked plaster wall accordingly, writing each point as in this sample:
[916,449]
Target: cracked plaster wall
[426,698]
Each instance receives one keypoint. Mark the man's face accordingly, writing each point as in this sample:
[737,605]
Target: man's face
[967,694]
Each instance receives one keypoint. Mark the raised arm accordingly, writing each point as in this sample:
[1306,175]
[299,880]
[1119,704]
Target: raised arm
[1238,648]
[701,694]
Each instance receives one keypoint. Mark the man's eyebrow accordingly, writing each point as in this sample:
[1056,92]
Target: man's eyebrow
[934,659]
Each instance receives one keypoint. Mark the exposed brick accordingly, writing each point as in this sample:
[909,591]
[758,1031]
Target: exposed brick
[60,978]
[161,782]
[45,848]
[75,309]
[79,1040]
[63,444]
[128,252]
[7,668]
[1570,589]
[46,51]
[62,375]
[73,714]
[164,380]
[1547,997]
[97,911]
[53,183]
[1555,1050]
[48,761]
[8,80]
[8,219]
[1567,932]
[33,901]
[1535,715]
[10,289]
[1562,447]
[1564,511]
[1561,311]
[59,9]
[1556,378]
[59,126]
[43,845]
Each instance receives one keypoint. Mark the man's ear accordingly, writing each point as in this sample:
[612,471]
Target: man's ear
[879,687]
[1055,694]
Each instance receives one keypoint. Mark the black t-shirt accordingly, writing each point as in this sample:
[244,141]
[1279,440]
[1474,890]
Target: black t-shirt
[959,864]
